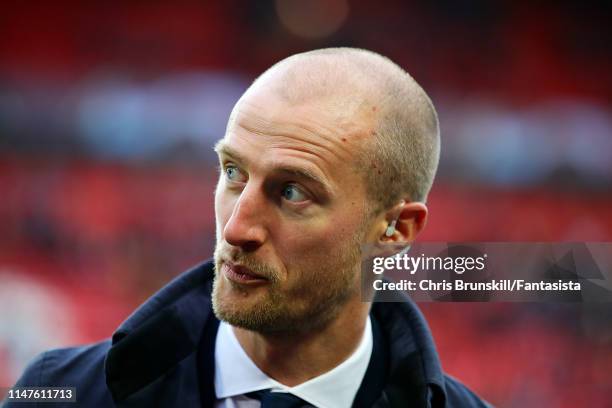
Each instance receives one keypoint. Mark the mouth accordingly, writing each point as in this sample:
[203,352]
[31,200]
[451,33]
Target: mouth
[241,274]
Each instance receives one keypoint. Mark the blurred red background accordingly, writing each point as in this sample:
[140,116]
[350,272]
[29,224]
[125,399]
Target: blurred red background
[108,115]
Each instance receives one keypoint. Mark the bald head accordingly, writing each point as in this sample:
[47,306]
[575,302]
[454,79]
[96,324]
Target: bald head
[399,157]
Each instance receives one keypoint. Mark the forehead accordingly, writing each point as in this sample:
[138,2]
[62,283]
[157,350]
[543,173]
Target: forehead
[319,134]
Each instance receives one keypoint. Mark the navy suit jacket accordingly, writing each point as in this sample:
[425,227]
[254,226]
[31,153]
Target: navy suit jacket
[163,356]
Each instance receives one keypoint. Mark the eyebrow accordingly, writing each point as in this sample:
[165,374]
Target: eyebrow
[223,149]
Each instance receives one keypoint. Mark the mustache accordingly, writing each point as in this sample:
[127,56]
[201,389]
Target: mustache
[248,261]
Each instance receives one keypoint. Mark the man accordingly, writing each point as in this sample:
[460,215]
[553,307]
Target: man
[327,151]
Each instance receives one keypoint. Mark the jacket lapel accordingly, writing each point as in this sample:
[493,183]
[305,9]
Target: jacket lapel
[414,375]
[153,359]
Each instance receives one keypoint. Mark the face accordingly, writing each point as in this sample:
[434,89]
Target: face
[290,211]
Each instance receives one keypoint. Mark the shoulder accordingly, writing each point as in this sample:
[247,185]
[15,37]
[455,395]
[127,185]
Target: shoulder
[65,366]
[80,367]
[458,395]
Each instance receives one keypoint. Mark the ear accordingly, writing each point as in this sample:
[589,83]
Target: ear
[410,218]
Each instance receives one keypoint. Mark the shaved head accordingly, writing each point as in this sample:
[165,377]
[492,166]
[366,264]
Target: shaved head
[399,147]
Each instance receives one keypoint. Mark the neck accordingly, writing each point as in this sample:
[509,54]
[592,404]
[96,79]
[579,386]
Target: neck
[294,358]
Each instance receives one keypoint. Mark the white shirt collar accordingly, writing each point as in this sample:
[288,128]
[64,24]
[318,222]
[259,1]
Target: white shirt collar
[236,374]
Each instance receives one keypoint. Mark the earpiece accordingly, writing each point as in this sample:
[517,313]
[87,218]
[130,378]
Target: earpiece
[391,229]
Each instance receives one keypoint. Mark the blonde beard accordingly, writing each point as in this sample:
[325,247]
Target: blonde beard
[320,297]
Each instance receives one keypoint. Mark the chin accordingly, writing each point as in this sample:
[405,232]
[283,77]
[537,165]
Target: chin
[251,311]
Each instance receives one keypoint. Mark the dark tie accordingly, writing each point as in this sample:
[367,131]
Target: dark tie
[278,399]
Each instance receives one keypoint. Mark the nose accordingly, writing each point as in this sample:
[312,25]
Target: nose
[245,227]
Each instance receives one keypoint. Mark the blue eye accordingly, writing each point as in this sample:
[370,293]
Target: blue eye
[232,173]
[293,193]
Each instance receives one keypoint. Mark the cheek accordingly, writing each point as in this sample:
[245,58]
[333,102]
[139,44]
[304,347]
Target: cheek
[223,208]
[315,243]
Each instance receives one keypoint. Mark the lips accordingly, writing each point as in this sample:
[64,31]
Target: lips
[241,274]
